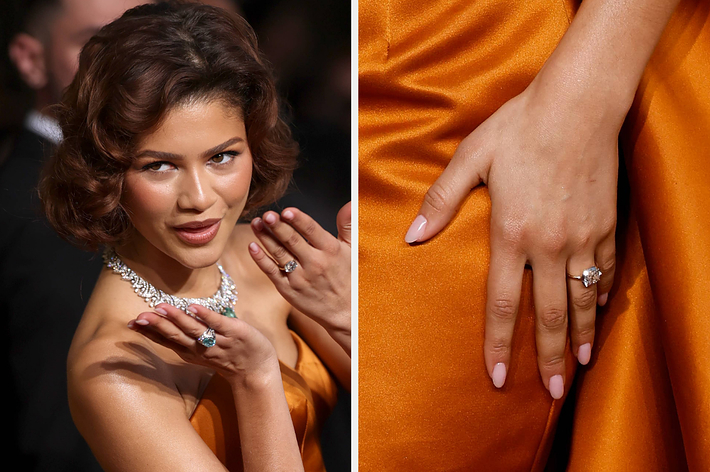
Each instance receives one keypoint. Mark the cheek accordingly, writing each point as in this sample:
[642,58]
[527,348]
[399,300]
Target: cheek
[235,187]
[145,201]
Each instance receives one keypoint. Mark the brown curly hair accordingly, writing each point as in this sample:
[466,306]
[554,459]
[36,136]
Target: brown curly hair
[131,73]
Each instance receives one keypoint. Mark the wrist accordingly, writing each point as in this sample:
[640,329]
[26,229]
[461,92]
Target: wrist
[256,380]
[595,102]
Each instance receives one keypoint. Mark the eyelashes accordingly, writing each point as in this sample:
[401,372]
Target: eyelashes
[220,159]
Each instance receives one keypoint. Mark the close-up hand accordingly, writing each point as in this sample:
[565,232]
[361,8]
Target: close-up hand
[238,350]
[318,284]
[551,171]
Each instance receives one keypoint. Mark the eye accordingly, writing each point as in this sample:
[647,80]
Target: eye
[158,166]
[223,157]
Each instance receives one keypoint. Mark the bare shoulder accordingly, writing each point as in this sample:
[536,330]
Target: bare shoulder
[124,392]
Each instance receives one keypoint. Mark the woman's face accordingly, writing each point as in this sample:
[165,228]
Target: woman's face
[189,183]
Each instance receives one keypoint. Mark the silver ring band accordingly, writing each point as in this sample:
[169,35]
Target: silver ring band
[589,276]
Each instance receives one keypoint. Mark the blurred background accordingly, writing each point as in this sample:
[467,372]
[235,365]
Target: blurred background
[308,44]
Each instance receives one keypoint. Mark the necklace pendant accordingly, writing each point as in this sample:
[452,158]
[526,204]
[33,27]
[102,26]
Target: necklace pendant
[229,312]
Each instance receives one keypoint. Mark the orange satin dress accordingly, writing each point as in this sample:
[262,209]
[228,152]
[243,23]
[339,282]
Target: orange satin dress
[311,394]
[429,73]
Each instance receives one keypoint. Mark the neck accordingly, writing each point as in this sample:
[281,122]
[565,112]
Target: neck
[167,274]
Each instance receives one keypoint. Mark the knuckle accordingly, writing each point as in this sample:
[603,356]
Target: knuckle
[437,197]
[553,318]
[552,363]
[293,239]
[510,231]
[310,228]
[586,300]
[585,332]
[499,348]
[280,252]
[582,240]
[608,263]
[503,309]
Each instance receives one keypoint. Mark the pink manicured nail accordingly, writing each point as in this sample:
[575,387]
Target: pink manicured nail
[258,224]
[557,386]
[142,322]
[254,248]
[270,218]
[287,214]
[192,309]
[601,300]
[161,311]
[416,231]
[584,353]
[499,373]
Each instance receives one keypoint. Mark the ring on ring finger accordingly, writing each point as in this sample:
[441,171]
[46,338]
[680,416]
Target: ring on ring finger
[289,267]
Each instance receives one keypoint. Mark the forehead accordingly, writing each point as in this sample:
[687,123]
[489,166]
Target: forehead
[194,126]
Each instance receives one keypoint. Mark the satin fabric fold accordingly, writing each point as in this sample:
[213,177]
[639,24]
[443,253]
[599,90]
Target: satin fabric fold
[429,73]
[311,394]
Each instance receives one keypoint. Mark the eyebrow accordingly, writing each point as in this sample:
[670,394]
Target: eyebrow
[169,155]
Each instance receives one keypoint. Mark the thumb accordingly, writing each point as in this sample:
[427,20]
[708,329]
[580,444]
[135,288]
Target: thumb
[343,221]
[442,200]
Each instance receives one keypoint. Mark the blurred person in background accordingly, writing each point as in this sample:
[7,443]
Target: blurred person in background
[43,40]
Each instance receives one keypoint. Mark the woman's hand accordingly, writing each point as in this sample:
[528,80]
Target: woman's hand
[320,284]
[551,170]
[240,351]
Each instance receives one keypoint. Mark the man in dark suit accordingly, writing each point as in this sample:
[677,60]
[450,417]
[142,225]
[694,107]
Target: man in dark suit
[44,282]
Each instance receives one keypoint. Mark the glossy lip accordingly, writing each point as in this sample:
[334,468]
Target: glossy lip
[198,232]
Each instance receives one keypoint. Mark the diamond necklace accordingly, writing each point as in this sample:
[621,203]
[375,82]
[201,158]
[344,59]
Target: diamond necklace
[221,302]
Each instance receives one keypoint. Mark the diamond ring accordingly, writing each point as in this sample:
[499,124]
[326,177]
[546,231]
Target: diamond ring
[589,276]
[207,338]
[289,267]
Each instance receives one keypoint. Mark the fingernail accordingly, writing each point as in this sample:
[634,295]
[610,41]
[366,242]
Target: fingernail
[601,300]
[142,322]
[416,231]
[258,224]
[254,248]
[270,218]
[288,214]
[192,309]
[161,311]
[131,324]
[584,353]
[557,386]
[499,373]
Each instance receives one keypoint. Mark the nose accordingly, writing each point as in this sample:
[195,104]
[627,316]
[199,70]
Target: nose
[196,191]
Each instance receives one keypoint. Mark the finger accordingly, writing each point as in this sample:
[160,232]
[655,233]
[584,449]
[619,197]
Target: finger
[505,278]
[443,198]
[582,304]
[309,228]
[605,255]
[268,266]
[147,331]
[343,222]
[189,325]
[287,236]
[550,300]
[277,250]
[164,327]
[223,325]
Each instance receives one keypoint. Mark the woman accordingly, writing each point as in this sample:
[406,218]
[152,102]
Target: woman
[506,115]
[171,134]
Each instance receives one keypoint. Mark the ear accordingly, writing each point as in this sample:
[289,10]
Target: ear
[27,53]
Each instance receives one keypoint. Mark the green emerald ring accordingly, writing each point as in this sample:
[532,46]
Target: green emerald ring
[207,338]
